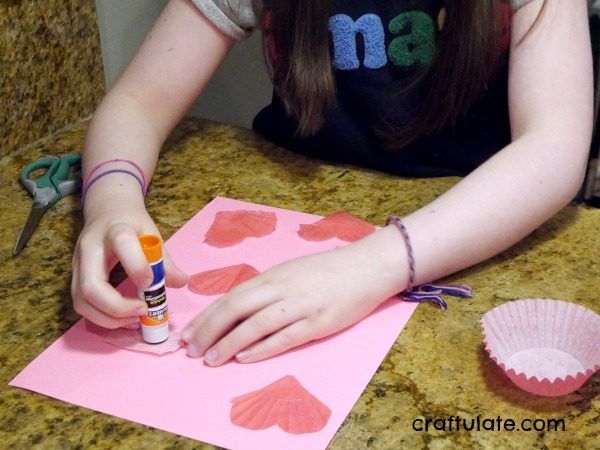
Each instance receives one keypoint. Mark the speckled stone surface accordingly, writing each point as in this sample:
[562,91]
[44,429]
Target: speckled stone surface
[437,368]
[51,68]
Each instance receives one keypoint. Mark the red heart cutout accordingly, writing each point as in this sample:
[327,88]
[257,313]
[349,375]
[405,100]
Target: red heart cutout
[132,340]
[341,225]
[232,227]
[285,403]
[221,280]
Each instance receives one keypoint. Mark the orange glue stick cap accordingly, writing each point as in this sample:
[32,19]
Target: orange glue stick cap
[152,247]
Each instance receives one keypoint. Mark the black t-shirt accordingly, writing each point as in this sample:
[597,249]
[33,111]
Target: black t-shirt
[378,49]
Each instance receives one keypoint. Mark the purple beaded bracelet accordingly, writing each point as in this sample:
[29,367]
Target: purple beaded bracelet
[91,182]
[411,259]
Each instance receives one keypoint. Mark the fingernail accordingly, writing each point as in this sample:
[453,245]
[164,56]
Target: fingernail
[211,355]
[133,326]
[243,355]
[142,311]
[192,350]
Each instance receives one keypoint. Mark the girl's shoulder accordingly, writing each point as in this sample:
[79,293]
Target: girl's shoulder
[236,18]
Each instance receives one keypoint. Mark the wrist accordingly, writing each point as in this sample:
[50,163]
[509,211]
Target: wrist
[386,249]
[114,192]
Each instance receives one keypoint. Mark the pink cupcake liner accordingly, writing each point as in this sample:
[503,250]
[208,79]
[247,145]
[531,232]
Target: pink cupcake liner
[546,347]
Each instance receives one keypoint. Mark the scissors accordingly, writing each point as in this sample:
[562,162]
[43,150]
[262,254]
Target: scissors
[47,189]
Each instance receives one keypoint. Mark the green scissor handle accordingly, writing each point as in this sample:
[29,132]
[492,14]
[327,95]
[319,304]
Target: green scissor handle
[56,177]
[60,178]
[49,163]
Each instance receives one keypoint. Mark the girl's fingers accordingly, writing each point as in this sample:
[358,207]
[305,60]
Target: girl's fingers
[95,290]
[75,295]
[91,313]
[175,277]
[265,322]
[124,243]
[87,310]
[296,334]
[220,317]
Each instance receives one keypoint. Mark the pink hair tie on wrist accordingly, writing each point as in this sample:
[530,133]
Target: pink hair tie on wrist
[91,182]
[114,160]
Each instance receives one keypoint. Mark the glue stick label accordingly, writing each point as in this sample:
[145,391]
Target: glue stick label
[155,323]
[155,297]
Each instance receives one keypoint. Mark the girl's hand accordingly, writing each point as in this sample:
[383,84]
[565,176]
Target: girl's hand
[110,235]
[300,300]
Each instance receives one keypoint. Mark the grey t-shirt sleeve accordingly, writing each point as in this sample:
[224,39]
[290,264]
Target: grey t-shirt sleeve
[516,4]
[236,18]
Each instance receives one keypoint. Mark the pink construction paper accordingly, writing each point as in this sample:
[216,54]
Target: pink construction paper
[181,395]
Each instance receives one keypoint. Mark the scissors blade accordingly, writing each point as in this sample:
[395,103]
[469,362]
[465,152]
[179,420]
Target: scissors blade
[37,211]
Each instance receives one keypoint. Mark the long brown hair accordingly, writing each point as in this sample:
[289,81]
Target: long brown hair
[297,54]
[296,36]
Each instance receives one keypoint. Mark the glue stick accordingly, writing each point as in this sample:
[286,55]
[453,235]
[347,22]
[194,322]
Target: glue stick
[155,323]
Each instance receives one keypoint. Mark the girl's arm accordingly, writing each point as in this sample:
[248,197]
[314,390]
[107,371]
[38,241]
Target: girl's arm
[491,209]
[514,192]
[174,63]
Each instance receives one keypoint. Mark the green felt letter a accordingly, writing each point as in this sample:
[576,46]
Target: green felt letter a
[416,46]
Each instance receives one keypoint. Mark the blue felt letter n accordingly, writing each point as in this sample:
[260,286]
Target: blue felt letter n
[344,31]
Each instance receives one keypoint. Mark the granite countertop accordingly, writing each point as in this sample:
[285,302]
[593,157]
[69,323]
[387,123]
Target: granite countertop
[437,368]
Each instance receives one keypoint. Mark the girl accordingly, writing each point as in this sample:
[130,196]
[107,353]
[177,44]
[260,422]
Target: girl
[415,87]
